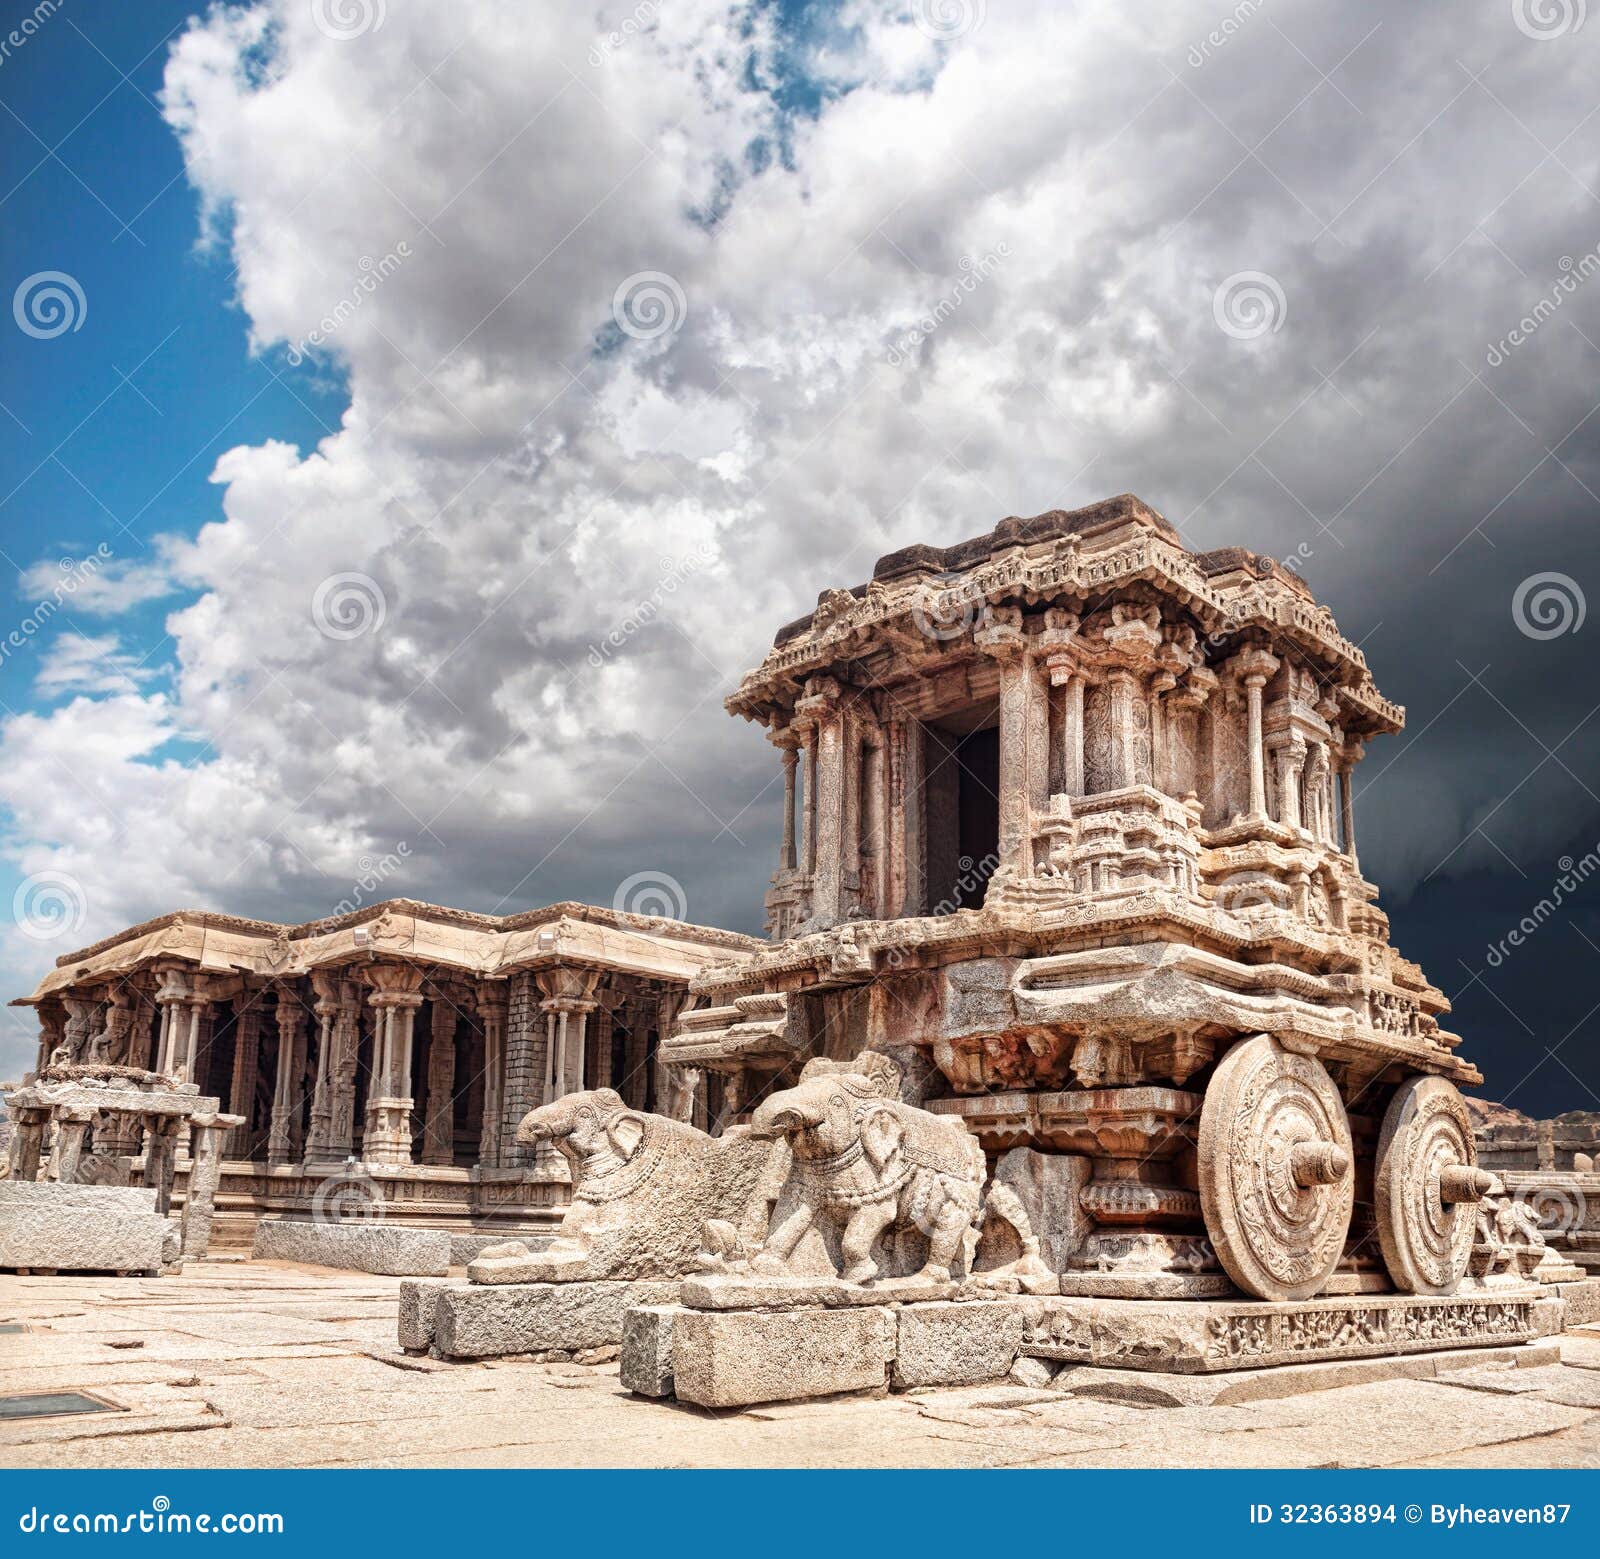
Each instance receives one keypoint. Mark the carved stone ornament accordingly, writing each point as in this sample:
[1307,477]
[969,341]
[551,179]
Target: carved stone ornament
[1426,1187]
[1275,1170]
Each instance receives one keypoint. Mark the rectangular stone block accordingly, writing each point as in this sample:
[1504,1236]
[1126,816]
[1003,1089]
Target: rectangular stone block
[419,1303]
[647,1350]
[1199,1336]
[956,1344]
[732,1358]
[482,1321]
[80,1228]
[1583,1302]
[385,1249]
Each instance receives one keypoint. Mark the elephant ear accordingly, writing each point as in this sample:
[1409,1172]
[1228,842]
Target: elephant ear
[882,1132]
[626,1131]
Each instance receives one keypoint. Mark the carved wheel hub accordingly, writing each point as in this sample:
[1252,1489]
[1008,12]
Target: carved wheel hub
[1426,1187]
[1275,1170]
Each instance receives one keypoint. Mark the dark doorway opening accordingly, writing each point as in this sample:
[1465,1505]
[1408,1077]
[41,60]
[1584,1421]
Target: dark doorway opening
[961,796]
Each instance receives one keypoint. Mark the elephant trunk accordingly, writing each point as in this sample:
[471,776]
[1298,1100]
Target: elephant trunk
[781,1115]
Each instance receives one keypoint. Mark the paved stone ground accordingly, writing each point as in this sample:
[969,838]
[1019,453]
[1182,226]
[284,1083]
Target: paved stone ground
[266,1364]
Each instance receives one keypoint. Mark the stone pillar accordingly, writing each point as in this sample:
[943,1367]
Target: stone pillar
[395,999]
[1024,752]
[492,1001]
[199,1202]
[1072,733]
[27,1146]
[325,987]
[286,1099]
[808,816]
[1347,812]
[1122,689]
[1255,667]
[439,1119]
[524,1065]
[342,1062]
[1291,757]
[160,1157]
[827,888]
[1160,778]
[791,761]
[246,1064]
[71,1123]
[907,823]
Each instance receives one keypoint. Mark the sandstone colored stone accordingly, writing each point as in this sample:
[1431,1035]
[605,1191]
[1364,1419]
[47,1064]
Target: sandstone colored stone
[956,1344]
[1583,1302]
[1027,1371]
[738,1358]
[647,1350]
[481,1321]
[386,1249]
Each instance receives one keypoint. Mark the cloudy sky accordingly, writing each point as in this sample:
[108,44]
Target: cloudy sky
[416,416]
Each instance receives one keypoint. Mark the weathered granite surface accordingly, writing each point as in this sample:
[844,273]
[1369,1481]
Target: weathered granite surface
[647,1350]
[723,1358]
[956,1344]
[81,1228]
[386,1249]
[481,1321]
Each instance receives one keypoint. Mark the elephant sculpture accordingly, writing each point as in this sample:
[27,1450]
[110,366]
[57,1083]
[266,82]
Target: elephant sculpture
[642,1187]
[874,1167]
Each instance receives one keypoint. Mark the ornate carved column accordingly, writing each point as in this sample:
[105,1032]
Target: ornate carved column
[791,762]
[288,1082]
[246,1064]
[72,1124]
[27,1146]
[820,710]
[395,997]
[439,1117]
[1022,784]
[160,1157]
[325,988]
[808,816]
[171,997]
[492,1002]
[1291,757]
[1350,756]
[199,1202]
[568,1001]
[1254,668]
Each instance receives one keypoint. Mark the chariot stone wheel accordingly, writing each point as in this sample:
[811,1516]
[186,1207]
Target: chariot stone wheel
[1276,1185]
[1426,1186]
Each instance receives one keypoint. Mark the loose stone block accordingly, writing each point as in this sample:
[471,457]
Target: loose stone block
[736,1358]
[482,1321]
[956,1344]
[385,1249]
[647,1350]
[419,1302]
[80,1228]
[465,1247]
